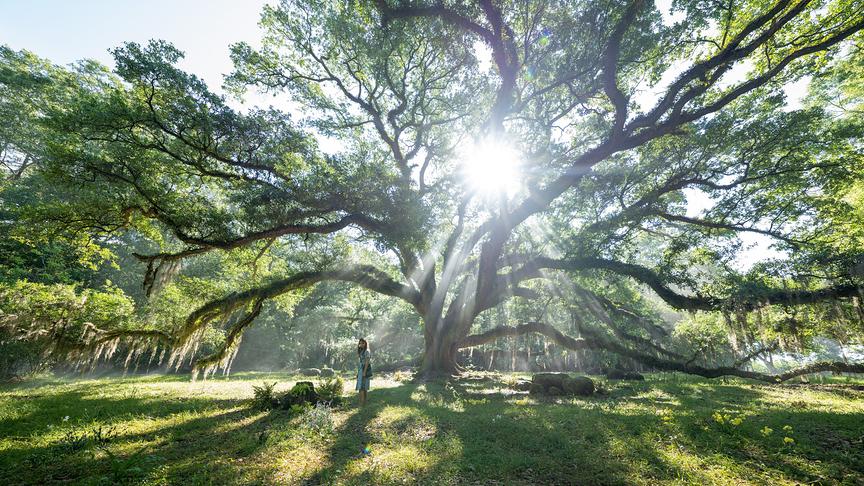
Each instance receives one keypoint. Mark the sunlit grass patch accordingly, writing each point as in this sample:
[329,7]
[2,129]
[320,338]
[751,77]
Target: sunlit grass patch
[661,431]
[407,463]
[401,424]
[657,396]
[435,395]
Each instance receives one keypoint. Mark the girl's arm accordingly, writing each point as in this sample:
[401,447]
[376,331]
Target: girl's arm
[365,362]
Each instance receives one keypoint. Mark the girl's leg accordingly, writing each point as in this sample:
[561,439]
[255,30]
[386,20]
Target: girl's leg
[362,397]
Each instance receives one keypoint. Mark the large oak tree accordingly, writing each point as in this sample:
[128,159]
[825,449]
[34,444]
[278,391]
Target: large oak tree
[616,112]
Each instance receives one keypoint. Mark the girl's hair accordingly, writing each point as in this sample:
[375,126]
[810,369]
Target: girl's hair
[358,347]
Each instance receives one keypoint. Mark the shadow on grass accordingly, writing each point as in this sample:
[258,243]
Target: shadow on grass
[466,431]
[79,405]
[483,437]
[484,433]
[823,448]
[354,435]
[181,439]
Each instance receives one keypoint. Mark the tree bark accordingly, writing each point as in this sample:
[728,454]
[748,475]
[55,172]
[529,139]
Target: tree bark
[439,358]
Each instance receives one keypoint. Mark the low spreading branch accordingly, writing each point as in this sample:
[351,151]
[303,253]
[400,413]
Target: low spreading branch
[366,276]
[164,263]
[750,301]
[593,340]
[226,352]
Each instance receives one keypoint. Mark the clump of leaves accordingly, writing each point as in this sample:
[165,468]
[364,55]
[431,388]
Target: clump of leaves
[299,408]
[263,398]
[331,389]
[75,440]
[301,388]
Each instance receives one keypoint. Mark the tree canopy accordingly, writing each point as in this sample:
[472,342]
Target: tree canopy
[595,126]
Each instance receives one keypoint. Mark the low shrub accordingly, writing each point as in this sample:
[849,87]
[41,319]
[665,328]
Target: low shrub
[331,389]
[263,397]
[302,393]
[318,419]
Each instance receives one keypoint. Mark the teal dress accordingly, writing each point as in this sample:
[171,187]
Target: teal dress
[362,381]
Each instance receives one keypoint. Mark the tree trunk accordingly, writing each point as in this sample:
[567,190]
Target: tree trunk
[439,357]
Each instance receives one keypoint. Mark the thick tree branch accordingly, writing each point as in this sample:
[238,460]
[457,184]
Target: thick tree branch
[592,340]
[97,337]
[364,275]
[727,226]
[499,38]
[161,262]
[451,16]
[761,80]
[610,67]
[220,356]
[539,200]
[728,55]
[591,300]
[752,300]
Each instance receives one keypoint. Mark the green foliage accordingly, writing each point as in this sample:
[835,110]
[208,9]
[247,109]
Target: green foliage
[39,322]
[301,389]
[263,396]
[705,337]
[331,390]
[27,305]
[299,409]
[20,358]
[48,263]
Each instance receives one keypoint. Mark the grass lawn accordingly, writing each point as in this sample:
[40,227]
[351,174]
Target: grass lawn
[669,429]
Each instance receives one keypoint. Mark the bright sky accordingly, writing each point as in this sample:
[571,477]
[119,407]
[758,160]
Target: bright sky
[66,31]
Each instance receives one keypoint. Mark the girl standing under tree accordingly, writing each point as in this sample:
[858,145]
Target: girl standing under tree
[364,370]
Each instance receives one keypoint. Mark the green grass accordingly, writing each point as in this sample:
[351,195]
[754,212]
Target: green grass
[166,430]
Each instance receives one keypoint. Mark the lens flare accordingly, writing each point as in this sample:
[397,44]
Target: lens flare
[492,168]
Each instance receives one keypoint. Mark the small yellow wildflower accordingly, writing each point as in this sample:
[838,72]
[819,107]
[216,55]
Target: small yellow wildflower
[718,417]
[766,431]
[788,440]
[787,428]
[736,421]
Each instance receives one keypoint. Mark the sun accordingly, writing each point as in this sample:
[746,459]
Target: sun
[492,168]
